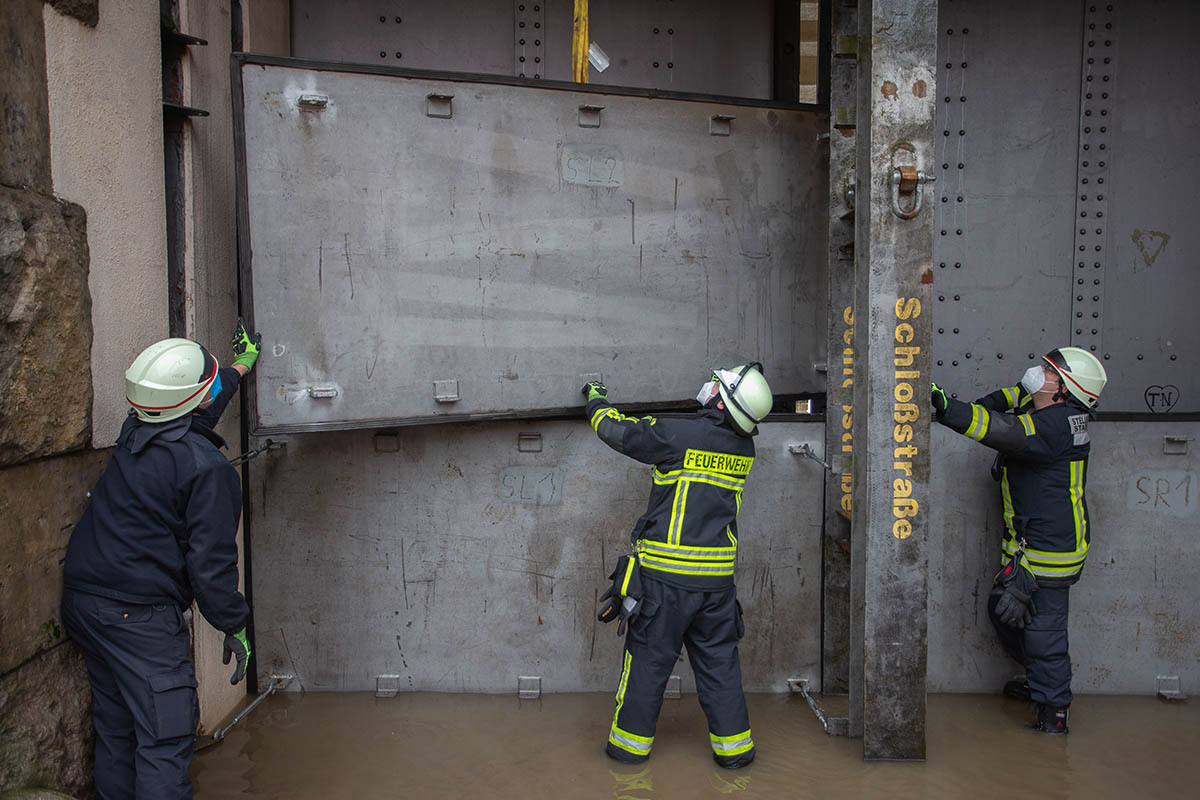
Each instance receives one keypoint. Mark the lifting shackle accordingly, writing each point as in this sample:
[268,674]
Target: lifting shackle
[906,181]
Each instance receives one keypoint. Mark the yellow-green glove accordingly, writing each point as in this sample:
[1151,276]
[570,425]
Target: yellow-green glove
[594,389]
[245,348]
[237,647]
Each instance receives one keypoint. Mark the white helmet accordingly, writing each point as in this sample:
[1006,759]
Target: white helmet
[1082,373]
[168,379]
[746,394]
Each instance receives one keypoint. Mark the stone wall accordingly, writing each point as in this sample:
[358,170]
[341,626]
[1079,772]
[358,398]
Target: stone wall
[46,724]
[46,468]
[46,313]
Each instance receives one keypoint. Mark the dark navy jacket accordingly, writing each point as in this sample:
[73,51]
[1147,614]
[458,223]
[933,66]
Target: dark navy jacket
[1042,473]
[162,523]
[688,535]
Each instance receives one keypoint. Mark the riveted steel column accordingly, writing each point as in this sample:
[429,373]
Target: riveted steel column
[839,409]
[893,276]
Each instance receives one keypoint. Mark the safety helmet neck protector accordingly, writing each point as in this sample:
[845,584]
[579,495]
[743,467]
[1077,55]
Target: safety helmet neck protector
[1082,374]
[170,378]
[746,395]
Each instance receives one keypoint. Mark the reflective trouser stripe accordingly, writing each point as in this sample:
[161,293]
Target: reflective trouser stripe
[731,745]
[638,745]
[1081,534]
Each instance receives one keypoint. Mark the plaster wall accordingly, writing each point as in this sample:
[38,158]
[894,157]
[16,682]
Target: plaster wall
[106,150]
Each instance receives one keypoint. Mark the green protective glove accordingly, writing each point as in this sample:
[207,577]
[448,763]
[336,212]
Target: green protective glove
[245,348]
[237,647]
[595,389]
[939,399]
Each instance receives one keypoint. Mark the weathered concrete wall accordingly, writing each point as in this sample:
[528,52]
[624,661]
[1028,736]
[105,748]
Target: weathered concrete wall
[268,27]
[105,96]
[45,370]
[24,124]
[210,257]
[46,724]
[1133,613]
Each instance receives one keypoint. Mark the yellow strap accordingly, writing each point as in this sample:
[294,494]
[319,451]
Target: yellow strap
[579,43]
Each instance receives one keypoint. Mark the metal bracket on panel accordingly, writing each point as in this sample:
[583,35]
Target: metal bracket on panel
[1176,445]
[804,406]
[387,685]
[720,125]
[321,391]
[387,443]
[529,443]
[438,105]
[845,46]
[808,451]
[672,692]
[312,102]
[589,116]
[446,391]
[1167,688]
[529,687]
[908,181]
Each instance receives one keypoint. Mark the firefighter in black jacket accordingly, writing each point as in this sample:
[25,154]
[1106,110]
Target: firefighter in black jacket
[159,532]
[678,587]
[1042,468]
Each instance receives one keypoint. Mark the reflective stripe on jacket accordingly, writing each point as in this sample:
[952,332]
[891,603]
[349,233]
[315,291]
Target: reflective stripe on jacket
[688,535]
[1044,457]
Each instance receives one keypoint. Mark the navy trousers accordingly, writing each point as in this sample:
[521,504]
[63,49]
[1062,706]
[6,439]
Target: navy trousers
[1042,646]
[710,625]
[144,705]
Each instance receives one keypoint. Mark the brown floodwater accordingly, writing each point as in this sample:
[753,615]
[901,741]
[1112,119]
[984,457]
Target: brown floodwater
[329,746]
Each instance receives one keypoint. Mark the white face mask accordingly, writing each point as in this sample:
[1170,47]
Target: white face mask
[1034,379]
[707,392]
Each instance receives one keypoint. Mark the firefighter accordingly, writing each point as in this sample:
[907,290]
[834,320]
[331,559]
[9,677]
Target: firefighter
[160,531]
[685,546]
[1042,469]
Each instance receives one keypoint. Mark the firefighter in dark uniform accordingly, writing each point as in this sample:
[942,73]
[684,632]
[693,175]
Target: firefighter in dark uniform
[685,546]
[159,532]
[1042,469]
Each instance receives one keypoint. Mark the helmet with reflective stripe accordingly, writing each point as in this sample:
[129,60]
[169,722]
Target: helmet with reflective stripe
[169,379]
[746,394]
[1082,374]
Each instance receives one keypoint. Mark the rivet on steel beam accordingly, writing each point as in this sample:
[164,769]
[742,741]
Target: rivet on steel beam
[720,125]
[313,102]
[589,116]
[438,105]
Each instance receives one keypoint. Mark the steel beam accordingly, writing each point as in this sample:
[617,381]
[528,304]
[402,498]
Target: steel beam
[893,276]
[839,409]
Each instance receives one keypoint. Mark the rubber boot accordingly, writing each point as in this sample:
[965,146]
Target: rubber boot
[1051,719]
[1018,689]
[735,762]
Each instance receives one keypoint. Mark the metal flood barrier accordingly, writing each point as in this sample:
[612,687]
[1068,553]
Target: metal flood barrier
[422,248]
